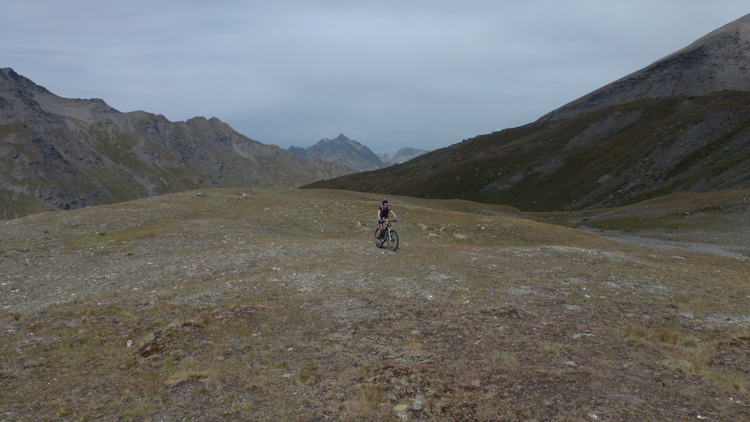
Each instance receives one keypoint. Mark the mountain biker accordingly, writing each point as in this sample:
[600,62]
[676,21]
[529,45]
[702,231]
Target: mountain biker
[383,211]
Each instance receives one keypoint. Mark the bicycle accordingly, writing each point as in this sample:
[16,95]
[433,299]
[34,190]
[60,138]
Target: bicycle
[388,235]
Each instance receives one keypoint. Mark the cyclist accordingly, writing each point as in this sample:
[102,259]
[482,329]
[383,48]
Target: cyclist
[383,211]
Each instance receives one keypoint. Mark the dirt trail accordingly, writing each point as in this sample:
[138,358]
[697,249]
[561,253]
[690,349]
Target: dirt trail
[651,240]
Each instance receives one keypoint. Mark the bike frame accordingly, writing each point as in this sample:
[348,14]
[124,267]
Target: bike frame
[386,227]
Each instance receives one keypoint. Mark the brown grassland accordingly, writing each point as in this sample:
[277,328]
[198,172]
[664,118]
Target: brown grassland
[275,305]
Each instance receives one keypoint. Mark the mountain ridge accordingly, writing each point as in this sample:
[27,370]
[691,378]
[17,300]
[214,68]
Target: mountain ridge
[717,61]
[60,153]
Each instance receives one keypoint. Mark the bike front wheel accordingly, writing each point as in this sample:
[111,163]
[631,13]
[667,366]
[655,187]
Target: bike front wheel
[377,241]
[392,240]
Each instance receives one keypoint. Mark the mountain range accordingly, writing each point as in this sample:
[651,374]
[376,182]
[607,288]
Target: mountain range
[59,153]
[682,124]
[355,155]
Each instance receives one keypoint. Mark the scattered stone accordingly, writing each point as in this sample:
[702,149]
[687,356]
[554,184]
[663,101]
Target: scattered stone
[686,315]
[459,236]
[570,363]
[579,335]
[400,410]
[418,402]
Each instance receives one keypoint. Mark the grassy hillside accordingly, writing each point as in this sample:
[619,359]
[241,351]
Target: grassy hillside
[242,304]
[609,157]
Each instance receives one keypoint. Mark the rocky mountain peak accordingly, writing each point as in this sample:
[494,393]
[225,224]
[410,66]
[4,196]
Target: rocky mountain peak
[740,28]
[719,61]
[10,79]
[341,150]
[341,140]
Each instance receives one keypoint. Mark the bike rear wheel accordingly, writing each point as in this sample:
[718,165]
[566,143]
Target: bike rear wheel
[392,238]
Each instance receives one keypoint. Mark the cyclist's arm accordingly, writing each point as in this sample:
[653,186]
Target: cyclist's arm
[394,214]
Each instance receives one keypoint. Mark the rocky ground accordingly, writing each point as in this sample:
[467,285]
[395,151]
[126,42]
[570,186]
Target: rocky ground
[276,305]
[712,223]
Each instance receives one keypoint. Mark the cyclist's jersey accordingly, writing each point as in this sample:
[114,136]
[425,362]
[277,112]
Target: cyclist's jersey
[384,212]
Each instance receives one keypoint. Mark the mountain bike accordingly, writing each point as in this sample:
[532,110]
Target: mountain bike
[388,235]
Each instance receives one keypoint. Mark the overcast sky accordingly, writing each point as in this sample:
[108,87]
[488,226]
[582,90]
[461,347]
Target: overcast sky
[388,74]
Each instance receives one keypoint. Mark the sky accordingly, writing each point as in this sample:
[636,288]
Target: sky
[389,74]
